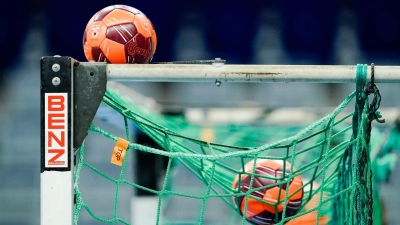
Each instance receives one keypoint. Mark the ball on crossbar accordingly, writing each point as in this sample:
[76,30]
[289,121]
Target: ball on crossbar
[119,34]
[268,191]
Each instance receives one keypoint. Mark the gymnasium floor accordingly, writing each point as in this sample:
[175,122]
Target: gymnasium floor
[19,124]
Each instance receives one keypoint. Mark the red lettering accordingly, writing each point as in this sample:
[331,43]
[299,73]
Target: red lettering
[59,152]
[134,49]
[52,122]
[56,103]
[60,141]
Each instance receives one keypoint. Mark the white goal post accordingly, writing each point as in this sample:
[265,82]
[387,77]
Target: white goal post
[246,73]
[71,93]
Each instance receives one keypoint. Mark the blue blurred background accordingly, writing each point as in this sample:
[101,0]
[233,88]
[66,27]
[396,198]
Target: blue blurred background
[295,31]
[251,31]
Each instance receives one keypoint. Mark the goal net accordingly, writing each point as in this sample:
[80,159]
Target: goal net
[318,173]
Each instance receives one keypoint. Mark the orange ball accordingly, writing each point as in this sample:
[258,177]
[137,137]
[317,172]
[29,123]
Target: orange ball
[119,34]
[259,212]
[311,217]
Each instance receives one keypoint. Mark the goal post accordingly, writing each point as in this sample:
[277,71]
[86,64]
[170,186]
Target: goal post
[71,93]
[56,158]
[70,97]
[247,73]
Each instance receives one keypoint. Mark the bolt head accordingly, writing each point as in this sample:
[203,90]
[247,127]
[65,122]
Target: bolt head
[56,67]
[56,81]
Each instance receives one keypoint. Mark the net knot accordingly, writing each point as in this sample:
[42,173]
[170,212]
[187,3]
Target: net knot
[125,112]
[371,88]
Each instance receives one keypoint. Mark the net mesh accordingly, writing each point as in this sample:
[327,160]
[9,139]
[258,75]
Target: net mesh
[330,157]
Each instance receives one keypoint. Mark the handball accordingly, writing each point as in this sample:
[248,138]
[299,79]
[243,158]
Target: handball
[259,212]
[119,34]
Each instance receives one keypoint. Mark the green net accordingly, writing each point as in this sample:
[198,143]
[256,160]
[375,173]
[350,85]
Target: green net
[315,174]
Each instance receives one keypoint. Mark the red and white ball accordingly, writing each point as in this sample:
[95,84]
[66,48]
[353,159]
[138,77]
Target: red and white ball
[259,212]
[119,34]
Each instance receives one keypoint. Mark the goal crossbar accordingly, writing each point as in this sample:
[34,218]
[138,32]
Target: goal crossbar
[246,73]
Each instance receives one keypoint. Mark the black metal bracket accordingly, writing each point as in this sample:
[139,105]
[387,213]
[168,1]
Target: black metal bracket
[90,80]
[55,78]
[88,84]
